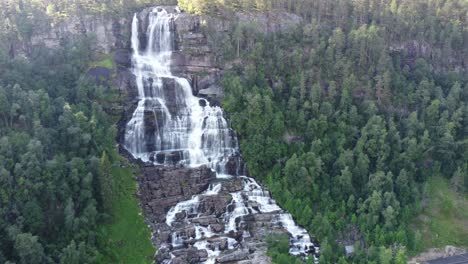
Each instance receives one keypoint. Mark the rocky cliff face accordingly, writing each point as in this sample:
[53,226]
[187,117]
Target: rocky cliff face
[195,58]
[110,33]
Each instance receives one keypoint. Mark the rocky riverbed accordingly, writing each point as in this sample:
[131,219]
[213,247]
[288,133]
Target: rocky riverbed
[196,217]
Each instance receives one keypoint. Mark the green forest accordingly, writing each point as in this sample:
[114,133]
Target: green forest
[347,129]
[53,164]
[355,120]
[63,187]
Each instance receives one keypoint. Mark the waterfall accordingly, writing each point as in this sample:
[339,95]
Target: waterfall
[171,126]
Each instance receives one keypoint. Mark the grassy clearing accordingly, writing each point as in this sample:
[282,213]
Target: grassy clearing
[105,61]
[126,239]
[444,221]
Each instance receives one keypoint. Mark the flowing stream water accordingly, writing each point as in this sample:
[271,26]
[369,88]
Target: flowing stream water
[171,126]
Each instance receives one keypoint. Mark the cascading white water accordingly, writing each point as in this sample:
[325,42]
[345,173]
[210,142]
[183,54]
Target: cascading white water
[172,126]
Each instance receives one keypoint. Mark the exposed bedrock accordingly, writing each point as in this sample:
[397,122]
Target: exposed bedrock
[163,187]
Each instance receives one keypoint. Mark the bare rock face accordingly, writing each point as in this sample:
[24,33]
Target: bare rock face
[107,32]
[160,188]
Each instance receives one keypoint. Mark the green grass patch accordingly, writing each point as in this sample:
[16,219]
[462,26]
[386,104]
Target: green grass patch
[126,238]
[444,221]
[105,61]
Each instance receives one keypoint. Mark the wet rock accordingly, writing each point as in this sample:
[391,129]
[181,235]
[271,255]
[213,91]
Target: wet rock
[213,205]
[237,235]
[165,236]
[168,157]
[259,257]
[265,218]
[235,185]
[205,221]
[181,216]
[178,260]
[164,248]
[191,255]
[162,256]
[189,242]
[186,232]
[151,124]
[171,90]
[223,245]
[202,255]
[217,227]
[214,94]
[218,244]
[202,102]
[180,252]
[233,256]
[254,205]
[126,84]
[122,57]
[233,165]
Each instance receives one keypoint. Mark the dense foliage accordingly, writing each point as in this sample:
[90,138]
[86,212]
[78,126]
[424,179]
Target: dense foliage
[278,250]
[57,147]
[346,123]
[53,165]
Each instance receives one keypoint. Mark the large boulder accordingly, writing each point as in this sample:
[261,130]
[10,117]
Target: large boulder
[232,256]
[213,205]
[191,255]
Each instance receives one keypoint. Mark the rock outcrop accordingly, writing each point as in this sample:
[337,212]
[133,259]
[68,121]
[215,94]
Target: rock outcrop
[161,188]
[108,32]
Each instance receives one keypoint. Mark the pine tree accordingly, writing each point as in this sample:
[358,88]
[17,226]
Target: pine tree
[106,183]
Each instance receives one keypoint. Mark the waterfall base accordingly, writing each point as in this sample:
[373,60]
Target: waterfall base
[198,218]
